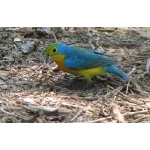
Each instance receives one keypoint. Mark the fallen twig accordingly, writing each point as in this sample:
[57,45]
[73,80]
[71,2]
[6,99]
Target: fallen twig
[145,73]
[100,120]
[124,115]
[138,88]
[11,108]
[118,90]
[141,118]
[9,113]
[42,109]
[70,105]
[135,113]
[115,112]
[77,115]
[132,71]
[24,119]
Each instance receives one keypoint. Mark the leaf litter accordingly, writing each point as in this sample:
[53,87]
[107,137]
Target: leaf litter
[32,91]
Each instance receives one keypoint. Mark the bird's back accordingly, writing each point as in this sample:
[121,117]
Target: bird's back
[80,58]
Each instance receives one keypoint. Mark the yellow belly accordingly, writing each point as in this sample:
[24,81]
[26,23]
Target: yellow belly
[89,72]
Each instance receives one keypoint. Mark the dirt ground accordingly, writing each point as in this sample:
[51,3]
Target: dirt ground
[33,91]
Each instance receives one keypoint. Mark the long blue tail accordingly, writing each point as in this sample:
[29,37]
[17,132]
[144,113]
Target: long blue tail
[113,69]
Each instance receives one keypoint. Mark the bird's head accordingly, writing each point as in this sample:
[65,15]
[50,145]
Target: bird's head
[56,49]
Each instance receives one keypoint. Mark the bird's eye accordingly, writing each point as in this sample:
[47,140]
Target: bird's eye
[54,50]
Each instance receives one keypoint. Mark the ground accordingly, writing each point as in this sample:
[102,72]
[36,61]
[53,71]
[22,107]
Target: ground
[33,91]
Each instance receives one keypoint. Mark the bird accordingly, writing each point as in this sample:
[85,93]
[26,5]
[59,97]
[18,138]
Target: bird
[84,62]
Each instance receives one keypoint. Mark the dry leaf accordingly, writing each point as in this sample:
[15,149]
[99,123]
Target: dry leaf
[27,47]
[4,73]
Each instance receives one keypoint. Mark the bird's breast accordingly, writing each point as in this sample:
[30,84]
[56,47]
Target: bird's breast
[60,59]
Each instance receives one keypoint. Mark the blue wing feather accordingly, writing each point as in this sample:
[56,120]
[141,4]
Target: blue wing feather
[80,58]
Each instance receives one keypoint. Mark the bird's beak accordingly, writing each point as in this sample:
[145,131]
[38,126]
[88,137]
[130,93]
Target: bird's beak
[48,58]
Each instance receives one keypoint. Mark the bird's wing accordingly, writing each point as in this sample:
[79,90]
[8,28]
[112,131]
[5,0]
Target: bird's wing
[81,58]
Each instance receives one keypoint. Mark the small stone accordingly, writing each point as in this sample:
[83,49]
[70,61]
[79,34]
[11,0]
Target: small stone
[17,39]
[34,67]
[4,86]
[29,100]
[139,71]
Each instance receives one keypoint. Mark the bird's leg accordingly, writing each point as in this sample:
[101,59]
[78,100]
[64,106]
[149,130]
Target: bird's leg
[89,82]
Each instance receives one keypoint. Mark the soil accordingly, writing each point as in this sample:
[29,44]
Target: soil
[33,91]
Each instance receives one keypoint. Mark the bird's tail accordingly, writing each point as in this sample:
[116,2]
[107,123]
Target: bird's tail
[113,69]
